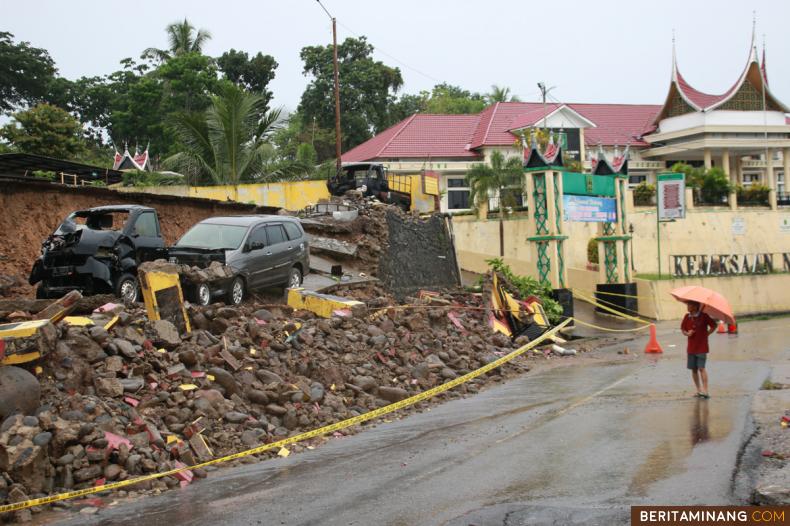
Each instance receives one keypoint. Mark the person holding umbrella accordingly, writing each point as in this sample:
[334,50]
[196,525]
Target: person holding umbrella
[697,325]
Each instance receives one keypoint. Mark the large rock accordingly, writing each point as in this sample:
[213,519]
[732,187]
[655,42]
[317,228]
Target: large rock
[166,334]
[20,391]
[268,377]
[225,379]
[27,464]
[125,347]
[234,417]
[366,383]
[86,348]
[91,472]
[131,334]
[111,387]
[392,394]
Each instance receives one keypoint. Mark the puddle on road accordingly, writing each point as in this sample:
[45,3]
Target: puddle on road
[705,421]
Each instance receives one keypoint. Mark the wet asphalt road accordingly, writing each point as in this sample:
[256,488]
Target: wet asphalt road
[569,445]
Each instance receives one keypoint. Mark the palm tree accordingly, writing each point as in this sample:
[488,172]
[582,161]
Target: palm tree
[229,142]
[501,94]
[182,38]
[500,177]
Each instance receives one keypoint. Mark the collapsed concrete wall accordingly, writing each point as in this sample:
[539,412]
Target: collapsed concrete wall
[31,210]
[419,254]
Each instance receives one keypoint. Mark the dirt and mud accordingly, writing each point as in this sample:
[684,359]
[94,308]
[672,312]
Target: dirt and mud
[32,211]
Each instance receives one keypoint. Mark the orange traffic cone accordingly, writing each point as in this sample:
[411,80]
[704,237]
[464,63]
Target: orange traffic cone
[722,329]
[652,344]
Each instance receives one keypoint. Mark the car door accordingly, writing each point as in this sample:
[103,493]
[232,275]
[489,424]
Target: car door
[297,243]
[148,242]
[278,245]
[256,262]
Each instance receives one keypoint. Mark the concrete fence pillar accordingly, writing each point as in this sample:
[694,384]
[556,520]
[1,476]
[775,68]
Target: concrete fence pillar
[770,177]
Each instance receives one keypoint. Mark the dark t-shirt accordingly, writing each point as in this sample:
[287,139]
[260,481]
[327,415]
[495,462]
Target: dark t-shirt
[698,342]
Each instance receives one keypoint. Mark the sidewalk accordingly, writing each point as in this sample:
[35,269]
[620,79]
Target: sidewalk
[770,404]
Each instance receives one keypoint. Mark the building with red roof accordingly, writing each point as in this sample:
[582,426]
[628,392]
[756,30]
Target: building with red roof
[736,131]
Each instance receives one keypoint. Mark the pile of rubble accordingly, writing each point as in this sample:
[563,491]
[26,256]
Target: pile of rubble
[122,396]
[402,250]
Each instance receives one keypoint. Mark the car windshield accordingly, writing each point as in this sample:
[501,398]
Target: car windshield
[213,236]
[104,220]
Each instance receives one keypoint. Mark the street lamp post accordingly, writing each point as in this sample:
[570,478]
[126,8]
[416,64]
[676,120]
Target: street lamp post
[337,87]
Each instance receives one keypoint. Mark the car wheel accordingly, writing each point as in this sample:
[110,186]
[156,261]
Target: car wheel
[127,288]
[294,278]
[203,295]
[41,293]
[235,292]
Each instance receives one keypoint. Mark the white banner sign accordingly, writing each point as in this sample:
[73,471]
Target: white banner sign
[671,196]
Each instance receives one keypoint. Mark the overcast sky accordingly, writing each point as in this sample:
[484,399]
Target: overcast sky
[592,51]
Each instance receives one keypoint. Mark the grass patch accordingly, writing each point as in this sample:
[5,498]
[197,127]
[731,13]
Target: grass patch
[768,385]
[763,317]
[654,277]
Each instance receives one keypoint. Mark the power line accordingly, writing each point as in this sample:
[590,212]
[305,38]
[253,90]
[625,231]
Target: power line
[402,63]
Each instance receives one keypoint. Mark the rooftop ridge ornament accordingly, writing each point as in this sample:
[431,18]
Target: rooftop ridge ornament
[127,161]
[618,166]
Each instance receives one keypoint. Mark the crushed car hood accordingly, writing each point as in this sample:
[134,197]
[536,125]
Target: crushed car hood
[195,256]
[81,242]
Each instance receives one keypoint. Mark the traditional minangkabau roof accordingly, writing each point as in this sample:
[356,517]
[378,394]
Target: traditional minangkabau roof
[683,98]
[127,161]
[551,157]
[618,165]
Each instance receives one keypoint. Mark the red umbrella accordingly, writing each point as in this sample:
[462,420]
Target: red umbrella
[713,303]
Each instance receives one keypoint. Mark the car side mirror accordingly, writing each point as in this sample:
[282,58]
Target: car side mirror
[255,245]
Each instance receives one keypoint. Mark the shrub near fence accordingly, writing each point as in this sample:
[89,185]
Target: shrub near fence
[645,194]
[754,195]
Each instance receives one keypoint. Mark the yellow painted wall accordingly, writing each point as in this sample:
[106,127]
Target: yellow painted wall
[477,240]
[704,231]
[293,195]
[747,294]
[288,195]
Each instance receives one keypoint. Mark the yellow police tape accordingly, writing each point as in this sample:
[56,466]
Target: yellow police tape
[641,327]
[604,307]
[294,439]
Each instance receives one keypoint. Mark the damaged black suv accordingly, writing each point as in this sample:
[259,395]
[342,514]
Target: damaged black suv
[97,251]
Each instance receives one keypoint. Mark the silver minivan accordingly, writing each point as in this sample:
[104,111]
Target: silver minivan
[263,251]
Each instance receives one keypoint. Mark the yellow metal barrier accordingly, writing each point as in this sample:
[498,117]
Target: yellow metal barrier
[321,304]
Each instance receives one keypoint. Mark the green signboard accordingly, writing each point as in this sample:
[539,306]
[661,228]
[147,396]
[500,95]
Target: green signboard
[588,184]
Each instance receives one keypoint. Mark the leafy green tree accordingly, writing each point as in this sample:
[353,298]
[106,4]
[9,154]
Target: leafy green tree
[25,73]
[45,130]
[448,99]
[251,73]
[502,177]
[182,38]
[710,186]
[500,94]
[189,80]
[407,105]
[367,89]
[294,133]
[306,154]
[229,142]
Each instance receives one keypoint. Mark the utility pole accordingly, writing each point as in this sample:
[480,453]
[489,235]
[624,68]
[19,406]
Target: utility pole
[543,92]
[337,87]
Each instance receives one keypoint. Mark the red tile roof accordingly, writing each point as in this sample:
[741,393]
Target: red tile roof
[421,135]
[621,124]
